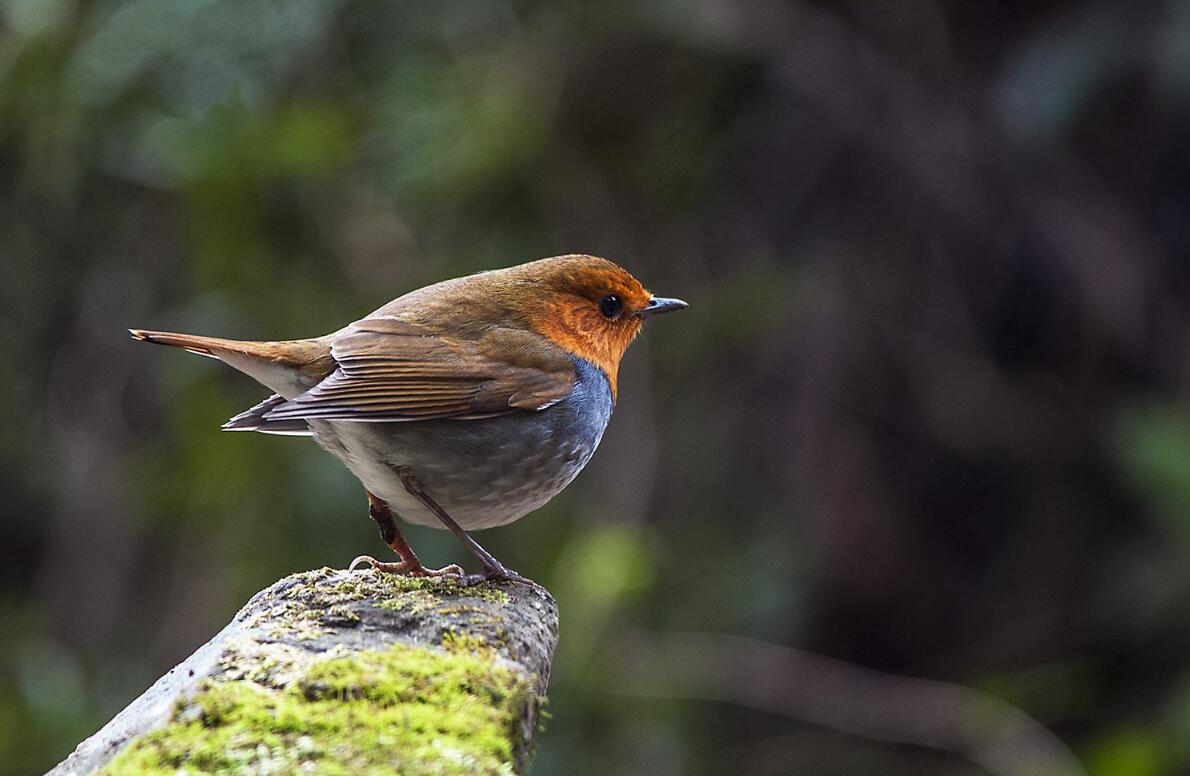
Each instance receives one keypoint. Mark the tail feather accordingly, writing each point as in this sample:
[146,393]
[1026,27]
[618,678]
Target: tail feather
[288,368]
[203,346]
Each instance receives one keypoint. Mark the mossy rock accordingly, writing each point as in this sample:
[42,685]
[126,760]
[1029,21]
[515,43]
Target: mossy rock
[336,672]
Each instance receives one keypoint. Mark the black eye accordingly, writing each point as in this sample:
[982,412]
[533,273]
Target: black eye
[610,306]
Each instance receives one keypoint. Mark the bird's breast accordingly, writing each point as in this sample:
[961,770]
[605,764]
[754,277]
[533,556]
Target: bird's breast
[484,472]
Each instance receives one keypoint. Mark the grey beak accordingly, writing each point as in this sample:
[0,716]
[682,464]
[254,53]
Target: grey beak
[660,304]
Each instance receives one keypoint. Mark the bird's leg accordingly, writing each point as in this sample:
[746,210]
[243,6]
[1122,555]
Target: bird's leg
[409,564]
[492,568]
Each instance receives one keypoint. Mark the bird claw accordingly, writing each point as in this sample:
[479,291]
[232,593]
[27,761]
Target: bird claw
[494,574]
[405,567]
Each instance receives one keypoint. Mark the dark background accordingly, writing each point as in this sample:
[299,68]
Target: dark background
[925,415]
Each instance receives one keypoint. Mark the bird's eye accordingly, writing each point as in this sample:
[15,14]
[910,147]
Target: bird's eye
[610,306]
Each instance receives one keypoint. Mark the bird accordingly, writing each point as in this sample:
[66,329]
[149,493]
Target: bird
[462,405]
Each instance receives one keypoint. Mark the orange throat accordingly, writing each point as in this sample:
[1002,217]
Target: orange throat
[581,331]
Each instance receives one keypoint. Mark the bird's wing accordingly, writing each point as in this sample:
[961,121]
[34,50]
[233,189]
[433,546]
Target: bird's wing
[253,420]
[392,370]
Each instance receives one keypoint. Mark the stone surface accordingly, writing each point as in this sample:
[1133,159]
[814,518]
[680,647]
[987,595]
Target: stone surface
[353,672]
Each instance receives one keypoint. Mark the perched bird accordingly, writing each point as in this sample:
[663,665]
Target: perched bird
[462,405]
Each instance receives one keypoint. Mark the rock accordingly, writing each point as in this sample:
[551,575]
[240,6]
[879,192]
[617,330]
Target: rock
[348,672]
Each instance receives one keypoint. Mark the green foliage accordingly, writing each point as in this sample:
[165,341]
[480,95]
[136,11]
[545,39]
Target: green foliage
[1154,448]
[1130,752]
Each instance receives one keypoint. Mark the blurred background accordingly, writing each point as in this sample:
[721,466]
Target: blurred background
[905,491]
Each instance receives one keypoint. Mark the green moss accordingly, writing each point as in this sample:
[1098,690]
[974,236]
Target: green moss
[418,595]
[271,665]
[461,609]
[317,600]
[488,591]
[274,707]
[406,710]
[308,608]
[412,602]
[456,642]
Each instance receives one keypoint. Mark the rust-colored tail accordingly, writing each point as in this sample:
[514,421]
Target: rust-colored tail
[203,346]
[287,367]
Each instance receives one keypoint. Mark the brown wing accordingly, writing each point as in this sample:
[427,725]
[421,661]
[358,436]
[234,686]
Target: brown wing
[391,370]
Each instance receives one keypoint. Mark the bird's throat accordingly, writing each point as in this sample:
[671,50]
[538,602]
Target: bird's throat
[584,333]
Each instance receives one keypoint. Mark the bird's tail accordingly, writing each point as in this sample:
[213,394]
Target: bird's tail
[288,367]
[203,346]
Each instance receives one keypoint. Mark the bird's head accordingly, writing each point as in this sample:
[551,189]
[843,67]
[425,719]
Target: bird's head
[590,306]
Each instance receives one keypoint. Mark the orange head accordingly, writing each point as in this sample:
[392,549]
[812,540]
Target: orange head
[586,305]
[592,308]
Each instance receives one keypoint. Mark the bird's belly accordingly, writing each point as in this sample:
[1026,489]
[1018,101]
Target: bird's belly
[483,473]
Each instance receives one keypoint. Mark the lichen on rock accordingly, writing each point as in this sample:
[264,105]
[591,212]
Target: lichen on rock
[348,672]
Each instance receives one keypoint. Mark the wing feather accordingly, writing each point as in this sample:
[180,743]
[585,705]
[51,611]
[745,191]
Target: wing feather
[392,370]
[253,419]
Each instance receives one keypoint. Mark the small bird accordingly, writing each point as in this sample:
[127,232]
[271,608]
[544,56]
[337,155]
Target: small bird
[462,405]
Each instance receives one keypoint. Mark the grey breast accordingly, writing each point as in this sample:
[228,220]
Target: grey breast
[484,472]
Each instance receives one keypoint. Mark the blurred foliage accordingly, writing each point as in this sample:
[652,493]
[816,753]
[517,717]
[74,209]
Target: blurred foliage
[1154,444]
[926,414]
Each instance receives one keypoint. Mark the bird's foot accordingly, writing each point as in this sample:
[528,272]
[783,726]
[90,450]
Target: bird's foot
[410,568]
[497,573]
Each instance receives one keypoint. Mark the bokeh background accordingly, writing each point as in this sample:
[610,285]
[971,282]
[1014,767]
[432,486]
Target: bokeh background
[905,491]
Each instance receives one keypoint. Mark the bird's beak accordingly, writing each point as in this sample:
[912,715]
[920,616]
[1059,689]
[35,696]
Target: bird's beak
[659,304]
